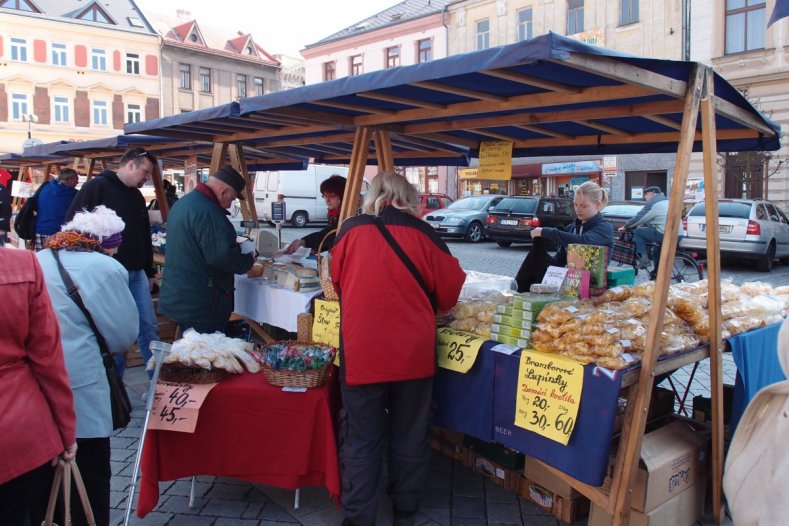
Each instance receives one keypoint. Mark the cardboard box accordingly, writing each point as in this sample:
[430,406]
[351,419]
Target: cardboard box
[563,508]
[499,454]
[537,473]
[673,457]
[681,510]
[500,475]
[449,442]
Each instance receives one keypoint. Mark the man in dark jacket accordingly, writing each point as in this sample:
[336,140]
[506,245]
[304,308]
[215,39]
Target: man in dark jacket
[649,224]
[202,255]
[5,204]
[120,192]
[53,203]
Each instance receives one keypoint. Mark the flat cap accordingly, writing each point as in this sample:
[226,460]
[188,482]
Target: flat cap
[230,176]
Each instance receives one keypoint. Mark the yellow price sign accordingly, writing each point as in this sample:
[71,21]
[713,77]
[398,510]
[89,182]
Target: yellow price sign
[495,160]
[326,326]
[457,350]
[549,394]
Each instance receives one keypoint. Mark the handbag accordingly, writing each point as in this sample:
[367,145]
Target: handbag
[119,398]
[63,474]
[625,249]
[406,261]
[25,221]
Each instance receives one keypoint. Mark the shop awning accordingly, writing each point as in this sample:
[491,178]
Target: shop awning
[551,95]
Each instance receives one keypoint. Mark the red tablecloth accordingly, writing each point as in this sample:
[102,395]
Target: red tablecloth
[251,431]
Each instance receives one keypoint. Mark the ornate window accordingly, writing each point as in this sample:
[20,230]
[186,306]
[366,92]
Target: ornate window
[745,25]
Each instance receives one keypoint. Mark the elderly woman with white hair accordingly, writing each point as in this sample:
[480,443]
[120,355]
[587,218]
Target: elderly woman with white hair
[393,273]
[85,246]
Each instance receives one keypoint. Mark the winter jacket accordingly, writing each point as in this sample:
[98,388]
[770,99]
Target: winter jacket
[53,203]
[596,231]
[202,257]
[36,406]
[104,288]
[313,241]
[136,251]
[653,214]
[388,326]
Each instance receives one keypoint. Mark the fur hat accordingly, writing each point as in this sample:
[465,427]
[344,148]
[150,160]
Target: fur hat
[102,223]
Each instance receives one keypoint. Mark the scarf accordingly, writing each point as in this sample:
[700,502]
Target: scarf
[75,241]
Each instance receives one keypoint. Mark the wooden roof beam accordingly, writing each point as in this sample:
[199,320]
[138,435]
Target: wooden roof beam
[493,135]
[401,100]
[665,121]
[342,137]
[451,139]
[350,107]
[543,131]
[280,133]
[518,102]
[603,140]
[463,92]
[530,80]
[741,116]
[603,127]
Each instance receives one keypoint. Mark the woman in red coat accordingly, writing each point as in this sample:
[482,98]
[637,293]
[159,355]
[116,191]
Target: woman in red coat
[37,422]
[387,345]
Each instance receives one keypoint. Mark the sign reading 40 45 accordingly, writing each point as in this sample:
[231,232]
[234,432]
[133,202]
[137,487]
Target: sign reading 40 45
[457,350]
[549,394]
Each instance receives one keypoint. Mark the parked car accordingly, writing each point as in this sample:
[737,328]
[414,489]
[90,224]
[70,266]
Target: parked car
[749,228]
[431,202]
[465,218]
[513,219]
[620,212]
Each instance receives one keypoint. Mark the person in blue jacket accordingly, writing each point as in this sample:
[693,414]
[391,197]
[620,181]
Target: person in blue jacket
[53,203]
[589,228]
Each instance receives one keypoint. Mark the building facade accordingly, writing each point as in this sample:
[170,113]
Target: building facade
[82,68]
[203,67]
[407,33]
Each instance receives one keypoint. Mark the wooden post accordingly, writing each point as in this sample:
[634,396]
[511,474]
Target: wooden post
[361,145]
[158,187]
[218,157]
[89,165]
[708,133]
[238,161]
[636,415]
[383,150]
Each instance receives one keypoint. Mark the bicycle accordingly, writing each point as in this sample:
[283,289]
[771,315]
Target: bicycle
[685,268]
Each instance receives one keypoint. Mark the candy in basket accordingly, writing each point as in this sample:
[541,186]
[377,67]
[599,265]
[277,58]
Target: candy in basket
[297,364]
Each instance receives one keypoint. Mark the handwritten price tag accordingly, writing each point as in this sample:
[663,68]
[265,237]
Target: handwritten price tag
[326,327]
[495,160]
[176,406]
[549,394]
[457,350]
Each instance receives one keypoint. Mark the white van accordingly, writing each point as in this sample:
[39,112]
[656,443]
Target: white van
[300,189]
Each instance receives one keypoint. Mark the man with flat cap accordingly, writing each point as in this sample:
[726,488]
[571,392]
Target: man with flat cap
[202,255]
[649,224]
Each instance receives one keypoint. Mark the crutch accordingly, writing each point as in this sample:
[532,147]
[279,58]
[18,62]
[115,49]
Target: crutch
[158,349]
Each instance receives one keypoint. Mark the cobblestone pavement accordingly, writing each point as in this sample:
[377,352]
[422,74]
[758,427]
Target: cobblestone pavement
[455,495]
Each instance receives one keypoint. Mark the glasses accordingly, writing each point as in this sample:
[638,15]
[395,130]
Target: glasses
[143,154]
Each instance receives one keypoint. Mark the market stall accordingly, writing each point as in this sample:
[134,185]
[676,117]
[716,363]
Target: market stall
[548,96]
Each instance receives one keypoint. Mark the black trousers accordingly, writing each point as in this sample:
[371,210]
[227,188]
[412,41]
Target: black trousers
[17,495]
[406,410]
[93,460]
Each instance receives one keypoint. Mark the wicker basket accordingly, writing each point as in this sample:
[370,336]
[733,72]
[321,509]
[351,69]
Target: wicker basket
[323,271]
[176,372]
[285,378]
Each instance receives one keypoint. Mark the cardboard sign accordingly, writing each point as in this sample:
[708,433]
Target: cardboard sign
[549,394]
[176,406]
[326,327]
[22,189]
[575,284]
[457,350]
[554,276]
[495,160]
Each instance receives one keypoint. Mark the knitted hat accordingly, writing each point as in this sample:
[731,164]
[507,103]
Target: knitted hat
[232,178]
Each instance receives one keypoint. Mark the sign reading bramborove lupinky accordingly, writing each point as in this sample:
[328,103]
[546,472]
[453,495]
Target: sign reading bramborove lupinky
[549,394]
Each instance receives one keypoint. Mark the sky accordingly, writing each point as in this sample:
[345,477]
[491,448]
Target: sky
[278,26]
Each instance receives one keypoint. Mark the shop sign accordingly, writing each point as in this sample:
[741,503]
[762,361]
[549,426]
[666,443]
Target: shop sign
[468,173]
[457,350]
[190,173]
[176,406]
[495,160]
[326,327]
[636,192]
[572,167]
[609,163]
[593,37]
[549,394]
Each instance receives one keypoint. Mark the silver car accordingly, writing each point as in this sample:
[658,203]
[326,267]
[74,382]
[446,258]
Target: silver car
[749,228]
[464,218]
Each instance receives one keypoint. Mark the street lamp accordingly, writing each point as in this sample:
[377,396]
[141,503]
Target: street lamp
[30,118]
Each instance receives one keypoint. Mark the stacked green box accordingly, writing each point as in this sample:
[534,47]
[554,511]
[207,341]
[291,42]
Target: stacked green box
[618,276]
[522,343]
[532,302]
[509,330]
[514,321]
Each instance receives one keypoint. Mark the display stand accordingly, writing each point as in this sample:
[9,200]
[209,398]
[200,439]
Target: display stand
[548,96]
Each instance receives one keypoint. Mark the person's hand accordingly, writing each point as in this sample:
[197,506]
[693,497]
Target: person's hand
[621,228]
[294,246]
[70,453]
[537,232]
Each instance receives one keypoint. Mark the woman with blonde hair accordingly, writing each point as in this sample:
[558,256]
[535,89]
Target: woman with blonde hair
[392,273]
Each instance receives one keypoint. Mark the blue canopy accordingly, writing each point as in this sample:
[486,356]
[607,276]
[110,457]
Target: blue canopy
[551,95]
[15,160]
[172,152]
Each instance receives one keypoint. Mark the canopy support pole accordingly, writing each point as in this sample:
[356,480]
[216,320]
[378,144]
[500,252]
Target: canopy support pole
[361,145]
[238,161]
[89,165]
[218,157]
[714,288]
[383,150]
[158,188]
[637,411]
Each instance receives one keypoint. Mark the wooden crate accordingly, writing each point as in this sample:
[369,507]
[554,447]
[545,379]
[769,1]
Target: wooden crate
[563,508]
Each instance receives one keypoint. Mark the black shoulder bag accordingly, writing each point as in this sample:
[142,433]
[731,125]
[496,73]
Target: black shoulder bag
[406,261]
[119,398]
[25,222]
